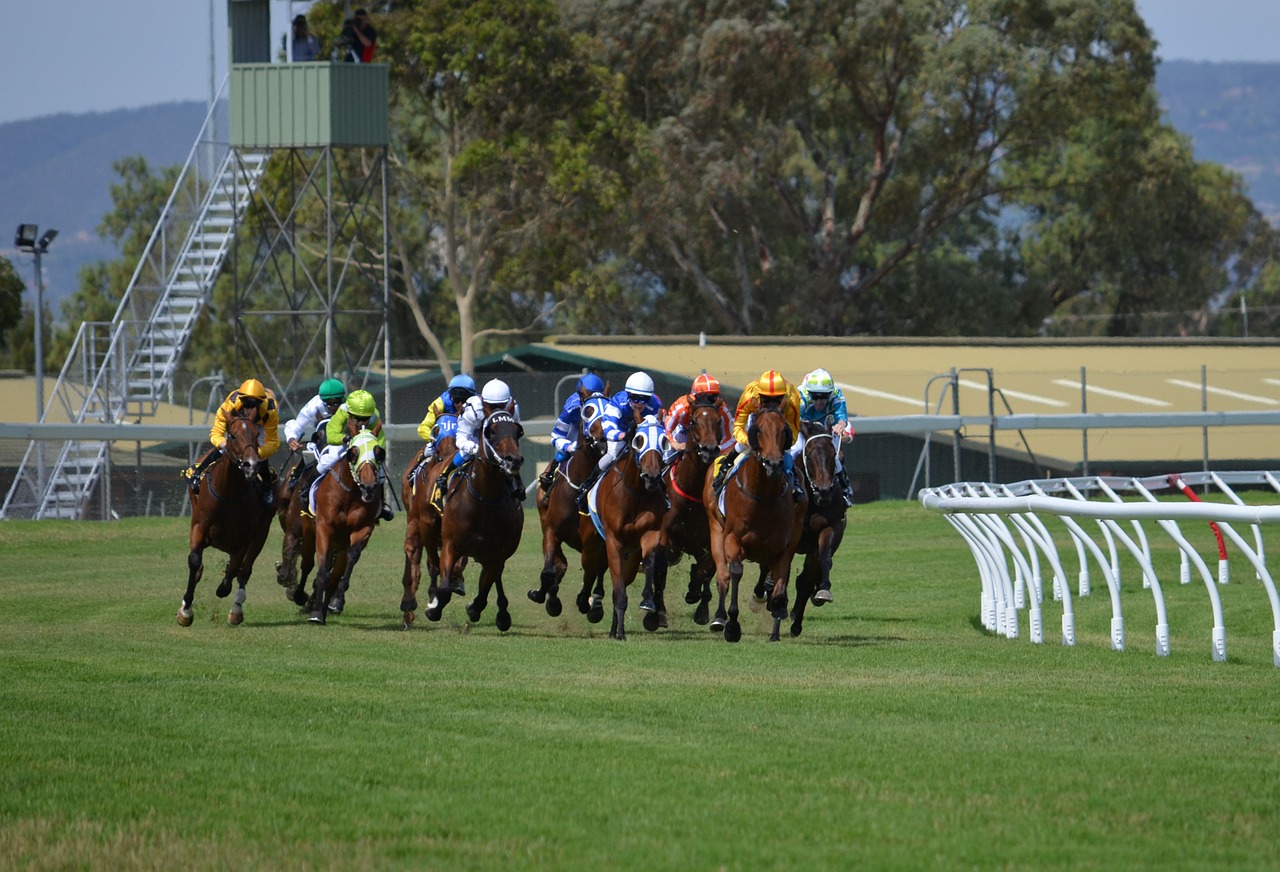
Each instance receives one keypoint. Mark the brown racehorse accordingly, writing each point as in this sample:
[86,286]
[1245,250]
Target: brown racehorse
[684,528]
[824,522]
[561,523]
[482,519]
[761,521]
[348,504]
[227,513]
[422,524]
[630,503]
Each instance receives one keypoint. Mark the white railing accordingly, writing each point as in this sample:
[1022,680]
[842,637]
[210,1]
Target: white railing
[1004,527]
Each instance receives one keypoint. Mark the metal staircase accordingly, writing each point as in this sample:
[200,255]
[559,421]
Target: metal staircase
[123,369]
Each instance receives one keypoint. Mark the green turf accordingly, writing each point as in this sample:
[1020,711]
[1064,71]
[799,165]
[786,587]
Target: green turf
[895,733]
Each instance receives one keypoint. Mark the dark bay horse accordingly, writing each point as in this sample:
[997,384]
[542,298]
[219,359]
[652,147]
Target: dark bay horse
[422,521]
[348,504]
[760,522]
[559,518]
[630,503]
[227,513]
[824,522]
[482,519]
[684,527]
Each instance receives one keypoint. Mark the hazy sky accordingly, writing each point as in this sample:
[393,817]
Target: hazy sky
[97,55]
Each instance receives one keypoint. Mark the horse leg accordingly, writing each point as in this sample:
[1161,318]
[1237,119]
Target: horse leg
[700,575]
[476,607]
[822,595]
[491,577]
[325,560]
[554,564]
[733,629]
[444,590]
[618,573]
[287,568]
[804,589]
[354,550]
[655,570]
[195,569]
[412,571]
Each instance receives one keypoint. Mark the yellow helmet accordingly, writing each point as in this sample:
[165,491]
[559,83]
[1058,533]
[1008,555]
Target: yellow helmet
[253,388]
[772,384]
[360,404]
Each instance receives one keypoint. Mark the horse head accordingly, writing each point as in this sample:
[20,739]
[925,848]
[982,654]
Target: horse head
[704,432]
[590,424]
[501,436]
[769,436]
[366,456]
[649,445]
[243,437]
[819,461]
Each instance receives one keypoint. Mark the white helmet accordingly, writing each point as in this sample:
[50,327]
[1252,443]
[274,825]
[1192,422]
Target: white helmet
[819,382]
[640,384]
[496,392]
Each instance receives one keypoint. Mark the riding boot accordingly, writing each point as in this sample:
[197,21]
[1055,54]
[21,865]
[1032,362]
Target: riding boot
[585,489]
[266,482]
[548,477]
[845,487]
[437,494]
[387,512]
[722,474]
[517,489]
[192,473]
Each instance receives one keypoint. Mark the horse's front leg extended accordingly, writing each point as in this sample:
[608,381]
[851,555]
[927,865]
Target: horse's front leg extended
[412,570]
[195,570]
[655,571]
[491,577]
[804,589]
[618,572]
[825,550]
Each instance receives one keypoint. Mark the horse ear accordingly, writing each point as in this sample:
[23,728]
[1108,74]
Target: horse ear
[519,431]
[380,453]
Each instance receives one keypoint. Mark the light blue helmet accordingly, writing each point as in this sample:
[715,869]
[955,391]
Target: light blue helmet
[463,381]
[591,383]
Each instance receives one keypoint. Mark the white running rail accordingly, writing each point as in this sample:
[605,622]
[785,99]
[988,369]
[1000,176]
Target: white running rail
[1005,528]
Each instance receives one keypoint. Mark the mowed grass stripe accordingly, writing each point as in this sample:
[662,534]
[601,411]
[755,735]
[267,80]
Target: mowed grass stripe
[895,733]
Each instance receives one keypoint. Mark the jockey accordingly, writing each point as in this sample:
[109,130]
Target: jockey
[619,414]
[704,392]
[564,436]
[359,412]
[494,396]
[308,427]
[821,401]
[771,390]
[462,387]
[251,400]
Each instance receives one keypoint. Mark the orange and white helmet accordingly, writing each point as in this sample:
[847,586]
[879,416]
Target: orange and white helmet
[705,384]
[772,384]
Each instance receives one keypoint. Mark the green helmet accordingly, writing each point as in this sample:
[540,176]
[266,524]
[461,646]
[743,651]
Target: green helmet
[361,404]
[332,390]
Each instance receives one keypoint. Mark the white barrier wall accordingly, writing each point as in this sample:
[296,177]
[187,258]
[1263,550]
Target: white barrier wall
[1007,528]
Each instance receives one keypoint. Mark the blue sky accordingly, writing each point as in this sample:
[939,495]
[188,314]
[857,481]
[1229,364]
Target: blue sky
[97,55]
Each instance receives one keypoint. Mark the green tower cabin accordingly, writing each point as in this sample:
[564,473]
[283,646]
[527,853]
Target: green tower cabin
[270,260]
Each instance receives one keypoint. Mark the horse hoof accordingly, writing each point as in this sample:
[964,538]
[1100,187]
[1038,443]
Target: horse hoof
[584,603]
[796,629]
[596,615]
[647,605]
[822,597]
[409,606]
[336,607]
[732,632]
[299,596]
[554,607]
[503,622]
[235,616]
[662,620]
[458,588]
[651,621]
[407,620]
[433,615]
[224,589]
[317,617]
[701,615]
[473,614]
[537,595]
[716,626]
[692,595]
[185,618]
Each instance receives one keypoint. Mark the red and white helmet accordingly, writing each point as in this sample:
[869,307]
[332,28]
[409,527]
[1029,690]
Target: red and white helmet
[705,384]
[772,384]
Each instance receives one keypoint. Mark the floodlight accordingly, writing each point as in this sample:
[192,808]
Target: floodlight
[25,238]
[46,239]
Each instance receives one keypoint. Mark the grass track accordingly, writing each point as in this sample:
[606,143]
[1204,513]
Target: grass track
[895,733]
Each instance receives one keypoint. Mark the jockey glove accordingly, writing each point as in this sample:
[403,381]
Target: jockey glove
[788,462]
[458,460]
[562,455]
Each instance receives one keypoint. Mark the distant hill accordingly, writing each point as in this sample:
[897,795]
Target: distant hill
[56,171]
[1232,114]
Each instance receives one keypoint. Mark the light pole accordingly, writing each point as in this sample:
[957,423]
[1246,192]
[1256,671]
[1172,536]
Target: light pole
[25,240]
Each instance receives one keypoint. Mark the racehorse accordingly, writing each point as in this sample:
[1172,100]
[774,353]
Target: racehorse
[422,521]
[227,513]
[630,504]
[824,521]
[482,519]
[760,521]
[292,494]
[348,503]
[684,527]
[560,521]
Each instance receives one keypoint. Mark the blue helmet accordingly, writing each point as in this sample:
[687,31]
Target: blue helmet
[591,383]
[463,381]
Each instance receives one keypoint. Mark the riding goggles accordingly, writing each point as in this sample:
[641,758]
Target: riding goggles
[637,399]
